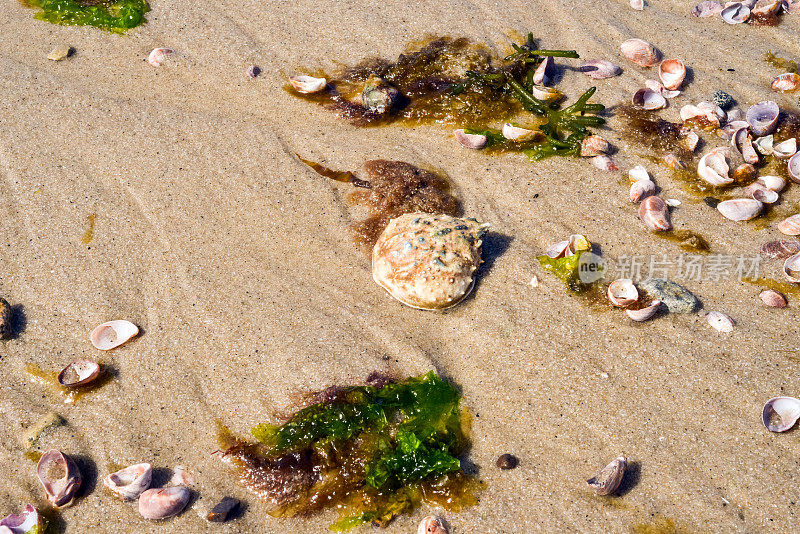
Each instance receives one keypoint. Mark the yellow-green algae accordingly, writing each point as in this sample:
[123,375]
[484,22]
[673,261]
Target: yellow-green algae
[116,16]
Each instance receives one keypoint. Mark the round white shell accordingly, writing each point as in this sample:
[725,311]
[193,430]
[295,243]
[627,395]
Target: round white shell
[112,334]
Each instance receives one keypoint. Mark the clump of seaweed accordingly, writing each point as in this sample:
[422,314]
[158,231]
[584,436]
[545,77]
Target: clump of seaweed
[373,452]
[116,16]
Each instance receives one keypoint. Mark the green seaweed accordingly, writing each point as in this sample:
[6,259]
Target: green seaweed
[566,269]
[116,16]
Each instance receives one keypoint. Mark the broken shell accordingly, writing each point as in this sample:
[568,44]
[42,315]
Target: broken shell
[547,94]
[161,503]
[772,298]
[544,72]
[307,84]
[713,167]
[181,477]
[638,5]
[690,141]
[790,225]
[735,13]
[720,321]
[607,481]
[428,261]
[60,52]
[764,145]
[774,183]
[654,85]
[642,189]
[704,114]
[78,373]
[727,132]
[673,161]
[648,99]
[638,173]
[604,163]
[672,202]
[22,523]
[59,477]
[791,268]
[781,413]
[780,249]
[787,82]
[158,55]
[473,141]
[594,145]
[568,247]
[706,9]
[379,96]
[744,143]
[622,293]
[130,482]
[432,525]
[785,149]
[644,313]
[762,194]
[740,209]
[669,94]
[112,334]
[794,167]
[558,250]
[640,52]
[515,133]
[672,73]
[763,117]
[762,10]
[600,69]
[654,214]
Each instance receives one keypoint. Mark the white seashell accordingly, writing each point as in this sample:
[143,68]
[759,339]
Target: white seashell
[78,373]
[600,69]
[772,298]
[113,334]
[794,167]
[775,183]
[787,82]
[60,491]
[740,209]
[604,163]
[130,482]
[642,189]
[763,117]
[535,281]
[158,55]
[669,94]
[764,145]
[690,141]
[790,225]
[713,167]
[654,85]
[672,202]
[22,523]
[181,477]
[432,525]
[557,250]
[594,145]
[645,313]
[762,194]
[707,9]
[654,213]
[785,149]
[547,94]
[307,84]
[515,133]
[607,481]
[781,413]
[638,5]
[735,114]
[568,247]
[742,141]
[649,99]
[473,141]
[735,13]
[672,73]
[640,52]
[544,72]
[720,321]
[161,503]
[622,293]
[638,173]
[791,268]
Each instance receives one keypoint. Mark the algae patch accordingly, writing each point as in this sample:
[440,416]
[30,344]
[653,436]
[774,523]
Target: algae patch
[116,16]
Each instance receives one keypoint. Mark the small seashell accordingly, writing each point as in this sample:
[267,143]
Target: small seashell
[25,522]
[735,13]
[158,55]
[673,162]
[762,194]
[594,145]
[672,202]
[790,225]
[544,72]
[307,84]
[649,100]
[791,6]
[690,141]
[515,133]
[707,9]
[765,7]
[60,52]
[568,247]
[727,132]
[744,173]
[253,71]
[622,293]
[59,477]
[772,298]
[654,213]
[600,69]
[112,334]
[640,52]
[740,209]
[604,163]
[547,94]
[654,85]
[78,373]
[780,249]
[713,167]
[704,114]
[794,167]
[781,413]
[638,5]
[473,141]
[763,117]
[669,94]
[535,281]
[785,149]
[642,189]
[378,95]
[791,268]
[672,73]
[764,145]
[787,82]
[720,321]
[181,477]
[432,525]
[607,481]
[774,183]
[638,173]
[558,250]
[428,261]
[161,503]
[130,482]
[744,143]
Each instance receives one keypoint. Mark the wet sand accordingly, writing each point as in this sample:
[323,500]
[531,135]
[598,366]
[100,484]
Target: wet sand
[235,260]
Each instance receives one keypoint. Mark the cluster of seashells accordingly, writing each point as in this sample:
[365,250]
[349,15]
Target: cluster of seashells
[623,293]
[133,482]
[764,12]
[653,211]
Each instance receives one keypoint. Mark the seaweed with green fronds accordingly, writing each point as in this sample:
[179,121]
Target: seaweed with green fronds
[373,452]
[116,16]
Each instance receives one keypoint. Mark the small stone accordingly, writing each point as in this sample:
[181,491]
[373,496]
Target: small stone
[60,52]
[674,296]
[722,99]
[222,510]
[507,461]
[5,318]
[253,71]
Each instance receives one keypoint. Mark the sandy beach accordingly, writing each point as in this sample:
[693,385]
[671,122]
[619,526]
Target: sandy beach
[236,261]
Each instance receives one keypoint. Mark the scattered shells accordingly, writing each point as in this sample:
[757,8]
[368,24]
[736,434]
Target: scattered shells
[707,9]
[644,313]
[432,525]
[544,72]
[604,163]
[781,413]
[78,373]
[622,293]
[378,95]
[642,189]
[785,149]
[59,477]
[794,167]
[22,523]
[158,55]
[473,141]
[720,321]
[6,316]
[594,145]
[672,73]
[791,268]
[600,69]
[112,334]
[654,213]
[547,94]
[161,503]
[649,99]
[772,298]
[713,167]
[780,249]
[640,52]
[515,133]
[638,173]
[787,82]
[60,52]
[428,261]
[740,209]
[307,84]
[790,225]
[735,13]
[130,482]
[607,481]
[763,117]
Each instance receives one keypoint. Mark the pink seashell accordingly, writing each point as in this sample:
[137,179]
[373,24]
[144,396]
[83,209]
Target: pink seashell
[742,141]
[59,477]
[21,523]
[713,167]
[705,114]
[790,225]
[473,141]
[707,9]
[740,209]
[622,293]
[130,482]
[158,55]
[654,213]
[780,249]
[780,413]
[672,72]
[763,117]
[640,52]
[594,145]
[642,189]
[432,525]
[78,373]
[772,298]
[161,503]
[604,163]
[638,5]
[775,183]
[649,100]
[791,268]
[600,69]
[644,313]
[787,82]
[794,167]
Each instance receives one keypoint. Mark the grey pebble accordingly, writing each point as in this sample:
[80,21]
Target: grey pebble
[675,297]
